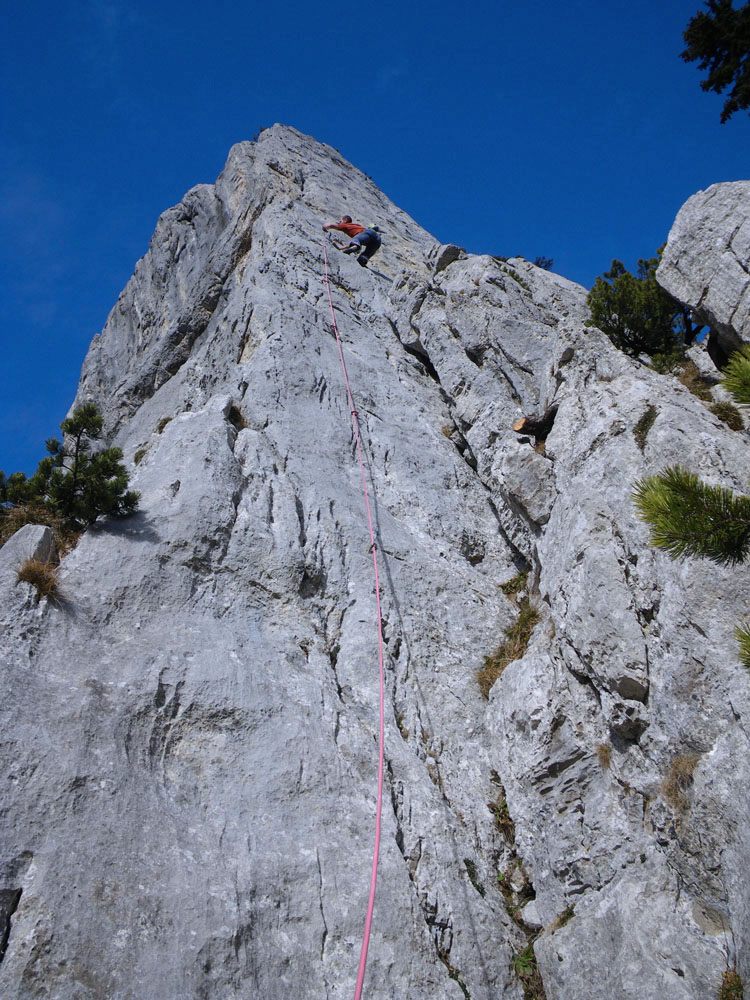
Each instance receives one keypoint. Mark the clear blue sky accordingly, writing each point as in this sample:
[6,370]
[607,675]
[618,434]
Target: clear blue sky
[570,130]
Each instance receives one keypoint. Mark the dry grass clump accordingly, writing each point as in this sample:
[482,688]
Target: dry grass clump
[14,518]
[692,379]
[729,414]
[604,753]
[41,575]
[516,640]
[679,780]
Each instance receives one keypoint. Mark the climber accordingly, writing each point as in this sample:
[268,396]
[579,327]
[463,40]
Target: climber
[365,241]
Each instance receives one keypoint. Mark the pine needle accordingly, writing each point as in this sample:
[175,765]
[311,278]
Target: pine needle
[691,518]
[736,378]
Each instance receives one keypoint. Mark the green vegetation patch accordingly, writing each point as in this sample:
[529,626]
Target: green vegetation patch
[691,518]
[516,640]
[471,871]
[638,315]
[729,414]
[516,584]
[525,967]
[742,635]
[736,375]
[731,986]
[644,425]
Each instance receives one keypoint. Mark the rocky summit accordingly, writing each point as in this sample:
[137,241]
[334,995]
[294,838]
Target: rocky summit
[190,729]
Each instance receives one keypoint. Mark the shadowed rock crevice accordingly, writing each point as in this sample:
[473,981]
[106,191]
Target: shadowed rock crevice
[424,359]
[9,900]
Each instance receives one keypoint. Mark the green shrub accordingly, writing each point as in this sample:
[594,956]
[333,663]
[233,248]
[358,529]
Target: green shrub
[690,518]
[515,584]
[637,315]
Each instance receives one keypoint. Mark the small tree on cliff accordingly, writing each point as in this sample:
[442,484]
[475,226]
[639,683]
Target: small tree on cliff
[690,518]
[637,314]
[73,481]
[720,40]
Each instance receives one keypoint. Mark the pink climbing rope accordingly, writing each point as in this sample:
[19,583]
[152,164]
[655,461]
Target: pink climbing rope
[373,549]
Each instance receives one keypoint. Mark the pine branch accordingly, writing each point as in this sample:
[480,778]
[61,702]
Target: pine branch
[691,518]
[736,377]
[742,635]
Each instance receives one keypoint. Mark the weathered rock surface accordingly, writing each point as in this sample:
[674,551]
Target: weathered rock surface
[190,736]
[706,262]
[33,541]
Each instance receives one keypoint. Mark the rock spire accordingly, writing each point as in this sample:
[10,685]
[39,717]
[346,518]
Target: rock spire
[189,733]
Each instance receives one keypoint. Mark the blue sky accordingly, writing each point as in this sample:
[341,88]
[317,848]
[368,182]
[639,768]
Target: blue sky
[572,131]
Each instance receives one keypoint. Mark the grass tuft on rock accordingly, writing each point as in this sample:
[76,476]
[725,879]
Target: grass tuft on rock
[644,425]
[41,575]
[516,584]
[728,414]
[679,780]
[692,379]
[525,967]
[516,640]
[731,986]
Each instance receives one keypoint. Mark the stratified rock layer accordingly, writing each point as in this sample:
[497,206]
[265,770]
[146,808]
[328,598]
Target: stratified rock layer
[190,731]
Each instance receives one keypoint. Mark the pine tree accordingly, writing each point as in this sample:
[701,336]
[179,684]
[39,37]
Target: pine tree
[72,480]
[720,40]
[637,314]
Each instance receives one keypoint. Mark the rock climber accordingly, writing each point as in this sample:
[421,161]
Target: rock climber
[364,241]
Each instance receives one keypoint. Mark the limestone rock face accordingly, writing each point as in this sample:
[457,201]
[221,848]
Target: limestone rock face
[706,262]
[190,733]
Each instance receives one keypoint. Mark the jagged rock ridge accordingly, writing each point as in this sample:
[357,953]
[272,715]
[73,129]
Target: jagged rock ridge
[190,734]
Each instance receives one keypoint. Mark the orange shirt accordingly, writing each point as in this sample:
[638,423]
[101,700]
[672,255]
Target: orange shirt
[350,228]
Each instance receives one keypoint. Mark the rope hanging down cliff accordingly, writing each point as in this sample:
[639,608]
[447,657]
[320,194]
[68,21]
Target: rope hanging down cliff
[373,549]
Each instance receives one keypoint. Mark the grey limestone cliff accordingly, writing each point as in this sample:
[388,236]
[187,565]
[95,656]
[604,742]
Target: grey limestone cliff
[706,262]
[190,733]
